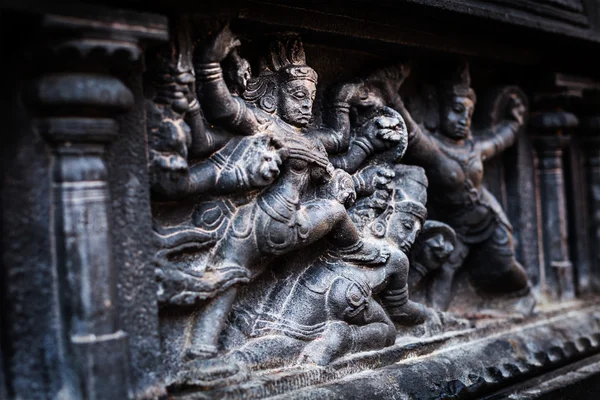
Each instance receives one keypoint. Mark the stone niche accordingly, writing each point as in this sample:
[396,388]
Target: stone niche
[263,199]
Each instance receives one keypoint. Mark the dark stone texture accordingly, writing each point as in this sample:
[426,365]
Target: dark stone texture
[302,213]
[32,338]
[127,163]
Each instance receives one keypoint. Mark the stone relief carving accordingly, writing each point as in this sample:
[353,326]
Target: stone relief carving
[282,240]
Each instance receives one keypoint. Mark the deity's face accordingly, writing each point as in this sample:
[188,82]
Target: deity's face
[435,251]
[404,227]
[456,117]
[295,100]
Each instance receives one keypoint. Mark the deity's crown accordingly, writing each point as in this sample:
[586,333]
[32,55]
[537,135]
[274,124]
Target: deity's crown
[410,192]
[286,56]
[458,83]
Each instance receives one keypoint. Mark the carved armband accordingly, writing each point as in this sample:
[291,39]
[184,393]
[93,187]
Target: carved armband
[359,183]
[209,72]
[230,176]
[365,145]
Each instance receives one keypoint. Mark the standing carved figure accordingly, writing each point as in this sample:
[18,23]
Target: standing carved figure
[453,159]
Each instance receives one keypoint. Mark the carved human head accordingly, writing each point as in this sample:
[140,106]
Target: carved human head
[167,84]
[407,213]
[237,72]
[457,104]
[434,245]
[285,84]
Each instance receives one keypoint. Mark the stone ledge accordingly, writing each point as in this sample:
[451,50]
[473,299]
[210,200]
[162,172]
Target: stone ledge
[472,362]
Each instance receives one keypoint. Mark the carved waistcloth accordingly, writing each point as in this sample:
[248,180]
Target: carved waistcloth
[323,292]
[473,222]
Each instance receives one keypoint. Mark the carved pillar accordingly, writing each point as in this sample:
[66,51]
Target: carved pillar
[75,110]
[591,145]
[557,274]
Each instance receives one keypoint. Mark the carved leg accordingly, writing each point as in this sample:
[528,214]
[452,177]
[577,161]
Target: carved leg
[395,294]
[493,266]
[207,325]
[329,218]
[341,338]
[362,324]
[441,288]
[494,269]
[202,367]
[268,351]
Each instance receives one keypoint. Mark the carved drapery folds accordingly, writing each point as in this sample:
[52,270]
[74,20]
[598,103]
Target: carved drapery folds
[284,239]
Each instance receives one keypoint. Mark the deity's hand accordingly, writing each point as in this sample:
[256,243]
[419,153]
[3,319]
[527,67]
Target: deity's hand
[516,109]
[384,131]
[176,91]
[357,94]
[217,47]
[411,125]
[380,200]
[373,177]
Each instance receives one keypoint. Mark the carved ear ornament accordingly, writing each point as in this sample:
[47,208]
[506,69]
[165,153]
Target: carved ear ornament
[379,226]
[268,103]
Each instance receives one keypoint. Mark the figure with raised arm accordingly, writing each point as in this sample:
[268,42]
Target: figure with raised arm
[453,159]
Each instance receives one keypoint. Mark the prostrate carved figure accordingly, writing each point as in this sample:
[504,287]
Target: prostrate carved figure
[345,301]
[453,159]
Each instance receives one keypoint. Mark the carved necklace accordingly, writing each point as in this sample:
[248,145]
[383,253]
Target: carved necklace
[457,156]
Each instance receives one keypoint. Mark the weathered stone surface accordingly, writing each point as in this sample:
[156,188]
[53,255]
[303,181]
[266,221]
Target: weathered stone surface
[283,200]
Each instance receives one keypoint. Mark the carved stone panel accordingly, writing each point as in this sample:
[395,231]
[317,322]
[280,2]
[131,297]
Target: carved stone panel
[271,201]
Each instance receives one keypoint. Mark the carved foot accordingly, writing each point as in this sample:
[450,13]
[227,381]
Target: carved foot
[335,341]
[438,322]
[518,304]
[409,314]
[210,373]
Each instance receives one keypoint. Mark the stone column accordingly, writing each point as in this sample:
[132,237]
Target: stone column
[590,129]
[75,110]
[557,280]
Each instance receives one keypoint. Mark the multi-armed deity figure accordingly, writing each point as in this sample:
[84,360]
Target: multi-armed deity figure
[257,181]
[180,141]
[277,216]
[453,159]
